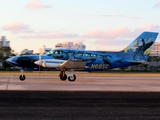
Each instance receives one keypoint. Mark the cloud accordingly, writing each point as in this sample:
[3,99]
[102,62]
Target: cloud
[123,32]
[50,36]
[77,40]
[157,5]
[115,16]
[17,27]
[140,29]
[36,4]
[121,16]
[109,34]
[121,36]
[149,27]
[114,39]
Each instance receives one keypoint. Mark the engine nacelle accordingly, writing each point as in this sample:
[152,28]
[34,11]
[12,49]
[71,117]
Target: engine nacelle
[50,63]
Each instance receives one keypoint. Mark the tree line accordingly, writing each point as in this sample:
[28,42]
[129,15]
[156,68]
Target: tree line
[5,53]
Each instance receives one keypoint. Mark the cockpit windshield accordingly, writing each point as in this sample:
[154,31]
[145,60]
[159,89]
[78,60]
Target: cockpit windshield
[49,53]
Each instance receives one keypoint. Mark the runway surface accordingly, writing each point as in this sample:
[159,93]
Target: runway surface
[90,97]
[83,83]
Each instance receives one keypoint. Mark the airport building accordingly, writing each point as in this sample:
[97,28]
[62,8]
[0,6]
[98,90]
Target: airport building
[44,50]
[4,42]
[155,50]
[26,51]
[70,45]
[41,51]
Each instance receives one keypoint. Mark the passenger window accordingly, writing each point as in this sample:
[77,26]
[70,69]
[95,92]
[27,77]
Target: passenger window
[94,55]
[70,54]
[79,54]
[88,55]
[100,56]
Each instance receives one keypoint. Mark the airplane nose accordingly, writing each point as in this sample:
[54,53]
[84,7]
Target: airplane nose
[7,60]
[12,61]
[39,62]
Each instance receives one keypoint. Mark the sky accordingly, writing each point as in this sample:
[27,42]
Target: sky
[99,24]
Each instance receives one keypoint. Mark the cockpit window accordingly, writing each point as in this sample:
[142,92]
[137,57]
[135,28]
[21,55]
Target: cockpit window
[49,53]
[58,52]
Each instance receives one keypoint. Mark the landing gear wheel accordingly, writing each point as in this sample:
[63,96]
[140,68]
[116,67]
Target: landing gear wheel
[72,78]
[63,77]
[22,77]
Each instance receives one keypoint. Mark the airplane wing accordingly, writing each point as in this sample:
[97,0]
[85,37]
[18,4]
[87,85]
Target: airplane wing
[73,64]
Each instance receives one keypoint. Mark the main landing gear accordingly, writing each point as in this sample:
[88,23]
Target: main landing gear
[22,77]
[71,75]
[62,75]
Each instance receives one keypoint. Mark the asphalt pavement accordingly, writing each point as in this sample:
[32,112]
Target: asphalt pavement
[79,105]
[88,98]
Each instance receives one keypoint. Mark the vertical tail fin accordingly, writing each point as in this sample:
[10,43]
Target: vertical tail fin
[141,47]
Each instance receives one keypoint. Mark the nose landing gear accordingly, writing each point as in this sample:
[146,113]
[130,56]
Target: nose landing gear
[22,77]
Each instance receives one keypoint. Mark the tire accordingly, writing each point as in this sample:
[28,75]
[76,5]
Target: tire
[63,77]
[22,77]
[72,78]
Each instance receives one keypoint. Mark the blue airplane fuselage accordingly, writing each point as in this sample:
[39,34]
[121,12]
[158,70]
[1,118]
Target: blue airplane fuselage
[135,53]
[95,60]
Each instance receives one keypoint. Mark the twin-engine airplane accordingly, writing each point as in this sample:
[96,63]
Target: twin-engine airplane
[69,60]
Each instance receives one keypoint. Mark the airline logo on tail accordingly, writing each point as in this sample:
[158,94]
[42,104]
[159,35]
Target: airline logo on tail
[143,43]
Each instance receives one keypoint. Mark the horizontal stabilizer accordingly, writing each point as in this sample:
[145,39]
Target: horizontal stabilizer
[139,62]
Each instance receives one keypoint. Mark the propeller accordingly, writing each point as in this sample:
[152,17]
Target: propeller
[39,62]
